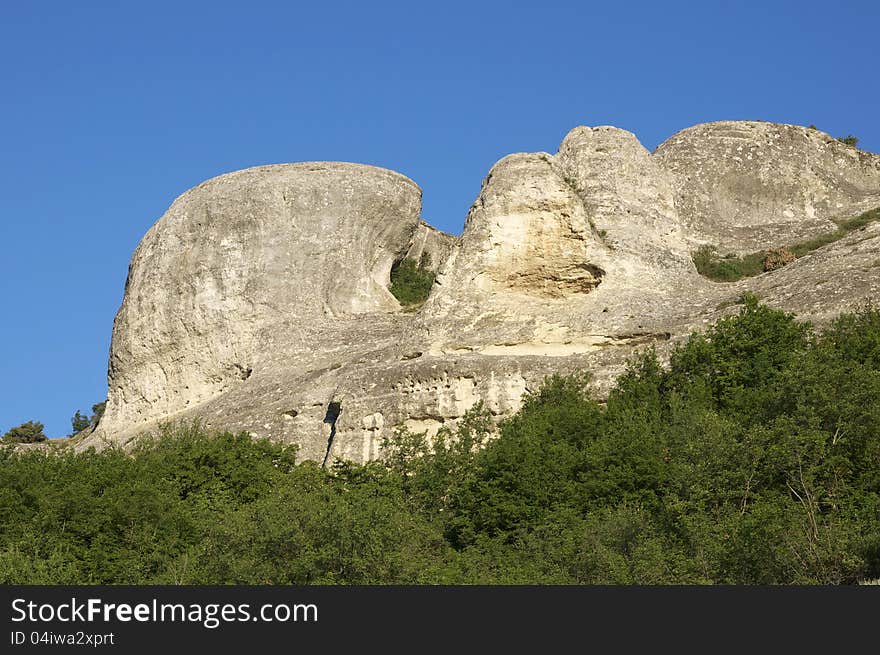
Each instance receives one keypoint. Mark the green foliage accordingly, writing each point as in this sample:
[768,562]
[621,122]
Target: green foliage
[731,267]
[411,282]
[97,412]
[849,140]
[30,432]
[843,228]
[752,458]
[738,355]
[727,268]
[188,507]
[80,421]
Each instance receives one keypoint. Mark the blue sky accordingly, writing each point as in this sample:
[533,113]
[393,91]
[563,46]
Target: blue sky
[110,110]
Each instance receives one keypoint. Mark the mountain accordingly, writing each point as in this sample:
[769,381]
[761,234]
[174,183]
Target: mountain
[261,300]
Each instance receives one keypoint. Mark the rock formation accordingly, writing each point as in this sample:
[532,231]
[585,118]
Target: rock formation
[260,302]
[748,185]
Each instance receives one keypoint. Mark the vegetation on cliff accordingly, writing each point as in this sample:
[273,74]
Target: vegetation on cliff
[80,421]
[30,432]
[754,458]
[411,281]
[732,267]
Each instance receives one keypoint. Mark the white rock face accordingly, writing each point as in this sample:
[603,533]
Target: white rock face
[254,260]
[747,185]
[553,243]
[628,196]
[260,301]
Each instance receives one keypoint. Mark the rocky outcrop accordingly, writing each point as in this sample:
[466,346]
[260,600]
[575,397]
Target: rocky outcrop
[749,185]
[246,264]
[260,301]
[628,196]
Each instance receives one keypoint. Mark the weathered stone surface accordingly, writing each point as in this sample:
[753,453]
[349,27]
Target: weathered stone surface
[259,302]
[820,285]
[555,261]
[430,246]
[748,185]
[628,196]
[249,264]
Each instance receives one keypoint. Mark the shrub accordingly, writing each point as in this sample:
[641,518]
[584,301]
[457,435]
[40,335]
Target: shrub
[753,458]
[30,432]
[97,412]
[727,268]
[80,421]
[411,282]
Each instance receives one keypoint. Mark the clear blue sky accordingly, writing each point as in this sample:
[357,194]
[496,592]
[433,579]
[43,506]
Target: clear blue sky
[112,109]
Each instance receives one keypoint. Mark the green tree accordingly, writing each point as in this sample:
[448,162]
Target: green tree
[740,356]
[30,432]
[97,412]
[753,458]
[79,422]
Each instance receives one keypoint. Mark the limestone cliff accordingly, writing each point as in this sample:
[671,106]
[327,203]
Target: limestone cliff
[748,185]
[260,300]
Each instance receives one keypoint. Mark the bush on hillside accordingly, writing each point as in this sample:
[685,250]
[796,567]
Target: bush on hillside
[30,432]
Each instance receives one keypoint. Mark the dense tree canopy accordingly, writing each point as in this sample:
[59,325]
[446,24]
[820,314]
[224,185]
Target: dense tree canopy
[753,458]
